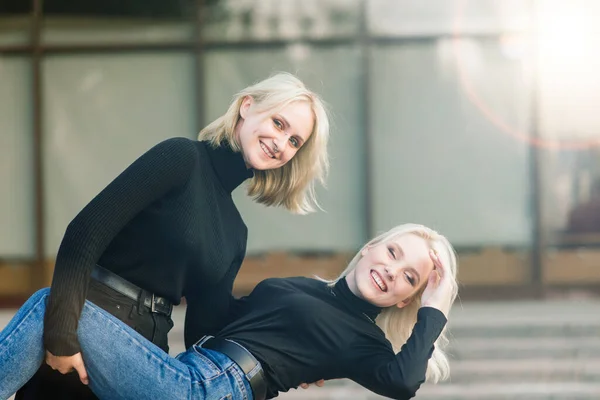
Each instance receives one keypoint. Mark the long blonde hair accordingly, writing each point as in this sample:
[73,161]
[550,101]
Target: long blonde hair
[398,323]
[291,185]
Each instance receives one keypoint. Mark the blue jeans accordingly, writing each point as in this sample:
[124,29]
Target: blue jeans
[121,364]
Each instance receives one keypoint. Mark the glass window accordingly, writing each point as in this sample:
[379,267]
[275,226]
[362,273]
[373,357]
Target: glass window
[134,21]
[15,26]
[242,20]
[571,215]
[100,114]
[441,153]
[17,230]
[442,17]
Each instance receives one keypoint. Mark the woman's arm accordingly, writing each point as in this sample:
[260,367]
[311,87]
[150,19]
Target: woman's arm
[164,167]
[398,376]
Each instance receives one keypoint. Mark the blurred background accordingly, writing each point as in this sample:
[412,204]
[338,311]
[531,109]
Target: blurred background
[478,118]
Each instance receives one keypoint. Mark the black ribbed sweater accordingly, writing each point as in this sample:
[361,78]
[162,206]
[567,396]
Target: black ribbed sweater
[167,224]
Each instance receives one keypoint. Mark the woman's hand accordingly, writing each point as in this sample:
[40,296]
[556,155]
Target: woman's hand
[438,293]
[66,364]
[319,383]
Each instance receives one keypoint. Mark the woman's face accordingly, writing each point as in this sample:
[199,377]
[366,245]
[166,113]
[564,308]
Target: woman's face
[392,272]
[269,140]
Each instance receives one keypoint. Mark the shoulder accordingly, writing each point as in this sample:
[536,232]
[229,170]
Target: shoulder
[305,282]
[297,282]
[177,152]
[177,145]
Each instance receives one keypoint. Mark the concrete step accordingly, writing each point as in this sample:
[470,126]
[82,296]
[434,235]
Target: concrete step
[345,390]
[525,330]
[540,370]
[512,391]
[496,317]
[524,348]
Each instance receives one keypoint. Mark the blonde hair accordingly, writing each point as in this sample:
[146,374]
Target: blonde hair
[397,323]
[292,185]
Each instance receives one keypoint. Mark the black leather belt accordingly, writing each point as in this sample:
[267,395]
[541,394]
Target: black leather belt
[244,359]
[156,304]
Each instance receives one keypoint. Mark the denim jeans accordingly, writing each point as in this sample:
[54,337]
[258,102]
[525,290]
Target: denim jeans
[121,364]
[48,384]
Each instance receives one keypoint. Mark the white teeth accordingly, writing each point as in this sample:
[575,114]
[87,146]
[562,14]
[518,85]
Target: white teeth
[266,150]
[378,281]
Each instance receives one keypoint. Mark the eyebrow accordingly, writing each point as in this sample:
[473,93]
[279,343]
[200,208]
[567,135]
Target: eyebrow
[399,248]
[285,121]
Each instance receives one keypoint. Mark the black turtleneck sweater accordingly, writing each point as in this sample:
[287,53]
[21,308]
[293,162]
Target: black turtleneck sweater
[167,224]
[302,330]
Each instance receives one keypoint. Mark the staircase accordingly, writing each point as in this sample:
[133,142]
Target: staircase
[547,350]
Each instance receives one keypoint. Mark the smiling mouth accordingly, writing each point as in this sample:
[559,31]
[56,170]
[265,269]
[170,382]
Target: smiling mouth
[267,150]
[379,281]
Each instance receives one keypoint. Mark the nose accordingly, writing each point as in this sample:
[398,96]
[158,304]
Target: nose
[390,272]
[279,144]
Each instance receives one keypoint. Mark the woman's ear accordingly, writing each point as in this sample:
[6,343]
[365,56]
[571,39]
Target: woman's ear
[405,302]
[246,104]
[365,250]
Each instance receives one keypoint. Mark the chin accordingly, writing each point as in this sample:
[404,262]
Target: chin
[258,163]
[260,166]
[266,166]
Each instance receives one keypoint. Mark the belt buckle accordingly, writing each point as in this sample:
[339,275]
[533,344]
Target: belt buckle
[164,309]
[152,304]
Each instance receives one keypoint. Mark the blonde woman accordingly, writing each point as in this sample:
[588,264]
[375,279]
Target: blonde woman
[167,226]
[381,324]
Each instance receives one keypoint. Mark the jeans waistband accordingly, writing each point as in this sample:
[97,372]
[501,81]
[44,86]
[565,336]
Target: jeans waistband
[243,358]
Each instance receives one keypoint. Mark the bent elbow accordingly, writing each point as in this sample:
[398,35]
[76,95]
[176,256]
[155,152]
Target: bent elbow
[405,390]
[408,392]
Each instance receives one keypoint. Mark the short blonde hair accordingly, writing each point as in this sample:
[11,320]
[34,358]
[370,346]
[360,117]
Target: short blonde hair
[398,323]
[292,185]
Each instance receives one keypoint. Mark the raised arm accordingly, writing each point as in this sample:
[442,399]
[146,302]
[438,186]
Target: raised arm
[399,376]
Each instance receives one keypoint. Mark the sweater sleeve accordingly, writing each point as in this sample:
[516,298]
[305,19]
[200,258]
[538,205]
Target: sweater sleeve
[399,376]
[161,169]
